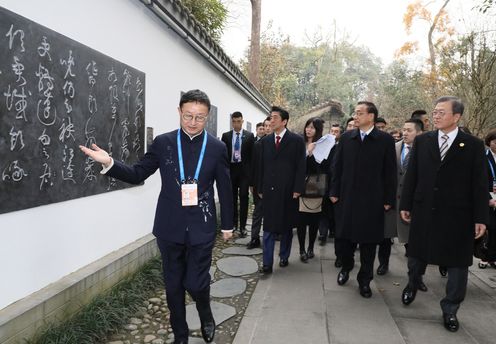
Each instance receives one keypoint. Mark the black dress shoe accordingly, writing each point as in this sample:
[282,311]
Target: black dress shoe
[303,257]
[208,330]
[365,291]
[310,254]
[343,277]
[422,287]
[181,341]
[408,295]
[283,263]
[253,244]
[443,270]
[266,270]
[242,233]
[451,322]
[338,263]
[382,269]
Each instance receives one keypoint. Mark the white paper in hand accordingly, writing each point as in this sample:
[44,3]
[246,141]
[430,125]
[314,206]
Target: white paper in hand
[323,147]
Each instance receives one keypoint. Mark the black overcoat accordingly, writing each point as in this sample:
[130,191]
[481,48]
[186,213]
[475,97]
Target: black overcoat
[281,173]
[364,180]
[445,198]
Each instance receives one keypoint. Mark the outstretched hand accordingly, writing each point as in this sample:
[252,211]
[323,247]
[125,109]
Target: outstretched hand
[97,154]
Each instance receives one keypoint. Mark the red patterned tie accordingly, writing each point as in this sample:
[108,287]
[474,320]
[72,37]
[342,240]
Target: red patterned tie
[278,141]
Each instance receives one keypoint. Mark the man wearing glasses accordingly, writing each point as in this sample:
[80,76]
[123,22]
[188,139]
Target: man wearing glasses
[190,161]
[445,201]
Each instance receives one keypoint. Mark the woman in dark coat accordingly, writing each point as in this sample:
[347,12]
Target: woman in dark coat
[310,209]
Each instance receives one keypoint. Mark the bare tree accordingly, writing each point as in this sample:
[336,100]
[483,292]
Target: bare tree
[254,63]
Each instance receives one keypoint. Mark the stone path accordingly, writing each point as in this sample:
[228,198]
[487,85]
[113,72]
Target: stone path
[234,274]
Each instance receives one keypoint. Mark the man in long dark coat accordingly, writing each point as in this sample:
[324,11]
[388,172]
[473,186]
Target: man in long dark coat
[363,187]
[281,180]
[445,198]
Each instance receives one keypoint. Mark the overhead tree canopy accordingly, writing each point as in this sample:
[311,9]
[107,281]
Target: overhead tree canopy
[211,14]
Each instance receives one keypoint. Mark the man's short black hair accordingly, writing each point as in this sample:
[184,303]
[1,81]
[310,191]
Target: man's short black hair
[336,125]
[380,120]
[236,114]
[259,124]
[418,114]
[419,125]
[195,96]
[456,103]
[267,119]
[371,108]
[349,120]
[283,113]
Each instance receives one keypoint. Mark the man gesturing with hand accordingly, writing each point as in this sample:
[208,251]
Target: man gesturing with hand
[190,161]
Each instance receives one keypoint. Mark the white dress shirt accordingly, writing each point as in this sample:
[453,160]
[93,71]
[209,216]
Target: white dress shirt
[451,137]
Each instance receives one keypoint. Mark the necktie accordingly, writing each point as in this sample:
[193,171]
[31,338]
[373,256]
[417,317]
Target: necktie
[362,135]
[406,158]
[278,141]
[443,149]
[236,149]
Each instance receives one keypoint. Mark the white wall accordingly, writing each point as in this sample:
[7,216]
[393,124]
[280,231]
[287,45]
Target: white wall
[40,245]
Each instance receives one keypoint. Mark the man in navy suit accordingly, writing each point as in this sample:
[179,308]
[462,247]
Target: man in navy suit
[239,143]
[190,161]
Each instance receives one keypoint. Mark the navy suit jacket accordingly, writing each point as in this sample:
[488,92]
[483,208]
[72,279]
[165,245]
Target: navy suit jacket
[172,220]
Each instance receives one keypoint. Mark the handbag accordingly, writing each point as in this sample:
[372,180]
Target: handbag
[315,185]
[481,249]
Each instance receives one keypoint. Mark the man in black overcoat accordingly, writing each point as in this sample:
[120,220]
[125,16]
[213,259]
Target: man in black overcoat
[445,199]
[185,226]
[281,180]
[363,187]
[239,143]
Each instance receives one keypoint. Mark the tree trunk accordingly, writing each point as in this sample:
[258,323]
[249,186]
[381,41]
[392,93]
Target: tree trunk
[432,51]
[254,66]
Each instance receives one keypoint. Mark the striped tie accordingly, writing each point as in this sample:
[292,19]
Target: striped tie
[444,146]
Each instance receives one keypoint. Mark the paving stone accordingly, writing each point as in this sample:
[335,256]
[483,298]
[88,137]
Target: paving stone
[196,340]
[212,271]
[149,338]
[242,251]
[220,311]
[237,266]
[243,241]
[228,287]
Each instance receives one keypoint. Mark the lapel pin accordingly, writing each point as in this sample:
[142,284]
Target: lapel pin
[462,144]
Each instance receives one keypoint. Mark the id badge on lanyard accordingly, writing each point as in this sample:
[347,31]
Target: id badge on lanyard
[189,194]
[189,191]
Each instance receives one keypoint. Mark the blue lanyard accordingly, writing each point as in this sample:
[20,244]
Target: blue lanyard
[492,169]
[180,155]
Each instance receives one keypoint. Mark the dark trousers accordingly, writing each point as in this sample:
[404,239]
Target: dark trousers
[456,287]
[312,221]
[256,222]
[186,268]
[384,251]
[327,224]
[269,241]
[240,187]
[346,251]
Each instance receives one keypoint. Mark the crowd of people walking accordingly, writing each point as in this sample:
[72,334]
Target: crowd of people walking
[431,189]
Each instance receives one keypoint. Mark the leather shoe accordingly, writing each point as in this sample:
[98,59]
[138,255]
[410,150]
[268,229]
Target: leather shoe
[408,295]
[422,287]
[310,254]
[208,330]
[283,263]
[242,233]
[253,244]
[443,271]
[303,257]
[343,277]
[266,270]
[181,341]
[365,291]
[338,263]
[382,269]
[451,322]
